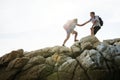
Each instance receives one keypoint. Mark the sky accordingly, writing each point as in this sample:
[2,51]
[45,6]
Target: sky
[35,24]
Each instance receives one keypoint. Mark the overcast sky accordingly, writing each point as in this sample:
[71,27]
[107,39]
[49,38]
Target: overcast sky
[35,24]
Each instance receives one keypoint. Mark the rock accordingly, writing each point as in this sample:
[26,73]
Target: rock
[87,59]
[8,75]
[18,63]
[49,51]
[53,76]
[38,72]
[108,51]
[90,59]
[76,51]
[57,59]
[68,66]
[11,56]
[66,70]
[117,49]
[111,41]
[102,47]
[34,61]
[50,61]
[61,49]
[89,42]
[117,60]
[46,52]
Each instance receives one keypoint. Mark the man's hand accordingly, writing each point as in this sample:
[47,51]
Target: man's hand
[80,25]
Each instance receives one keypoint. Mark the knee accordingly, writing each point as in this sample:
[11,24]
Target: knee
[92,30]
[75,32]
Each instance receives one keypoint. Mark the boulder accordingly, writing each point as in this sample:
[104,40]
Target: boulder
[18,63]
[108,51]
[90,59]
[11,56]
[37,72]
[76,51]
[46,52]
[57,59]
[89,42]
[117,61]
[112,41]
[34,61]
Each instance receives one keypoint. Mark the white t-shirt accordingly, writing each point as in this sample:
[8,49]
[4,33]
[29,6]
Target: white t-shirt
[96,19]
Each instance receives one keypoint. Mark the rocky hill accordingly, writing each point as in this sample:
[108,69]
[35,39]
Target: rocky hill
[87,59]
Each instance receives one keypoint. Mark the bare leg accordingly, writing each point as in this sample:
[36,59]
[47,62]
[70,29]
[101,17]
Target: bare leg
[75,38]
[68,36]
[92,31]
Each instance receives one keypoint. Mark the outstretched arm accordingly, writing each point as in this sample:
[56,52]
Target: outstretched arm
[83,23]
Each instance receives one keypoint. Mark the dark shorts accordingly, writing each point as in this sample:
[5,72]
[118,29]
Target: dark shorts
[96,29]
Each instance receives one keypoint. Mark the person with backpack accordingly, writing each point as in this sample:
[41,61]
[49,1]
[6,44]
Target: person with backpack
[97,23]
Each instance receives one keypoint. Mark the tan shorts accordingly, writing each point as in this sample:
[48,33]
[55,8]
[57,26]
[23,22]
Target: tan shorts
[69,31]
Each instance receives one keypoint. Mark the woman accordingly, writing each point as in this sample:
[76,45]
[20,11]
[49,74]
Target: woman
[69,28]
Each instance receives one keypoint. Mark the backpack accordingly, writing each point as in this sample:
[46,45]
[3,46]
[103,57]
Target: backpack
[101,21]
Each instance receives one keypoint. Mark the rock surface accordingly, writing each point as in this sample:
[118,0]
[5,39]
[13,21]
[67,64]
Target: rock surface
[87,59]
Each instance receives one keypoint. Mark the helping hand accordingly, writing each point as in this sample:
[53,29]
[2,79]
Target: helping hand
[79,24]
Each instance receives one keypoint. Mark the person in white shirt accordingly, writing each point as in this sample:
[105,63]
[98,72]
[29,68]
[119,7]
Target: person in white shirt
[96,23]
[69,28]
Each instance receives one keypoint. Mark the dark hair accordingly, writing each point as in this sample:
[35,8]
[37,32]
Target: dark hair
[92,13]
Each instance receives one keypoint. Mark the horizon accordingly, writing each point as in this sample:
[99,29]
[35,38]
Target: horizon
[33,25]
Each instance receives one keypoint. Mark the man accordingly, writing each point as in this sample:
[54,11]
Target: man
[96,23]
[69,27]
